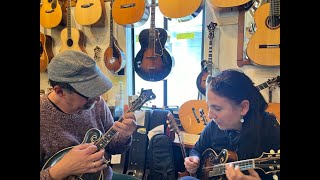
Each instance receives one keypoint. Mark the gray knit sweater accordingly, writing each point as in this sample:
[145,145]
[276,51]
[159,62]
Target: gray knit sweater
[59,130]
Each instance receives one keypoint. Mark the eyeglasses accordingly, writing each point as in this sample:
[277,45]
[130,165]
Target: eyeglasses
[87,98]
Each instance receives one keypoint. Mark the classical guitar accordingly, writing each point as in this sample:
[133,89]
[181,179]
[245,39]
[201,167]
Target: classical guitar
[210,68]
[213,164]
[99,139]
[50,13]
[153,62]
[72,38]
[180,9]
[114,57]
[232,3]
[192,115]
[90,12]
[46,53]
[264,45]
[130,13]
[174,127]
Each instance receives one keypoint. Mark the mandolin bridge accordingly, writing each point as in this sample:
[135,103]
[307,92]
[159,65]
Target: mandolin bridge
[128,5]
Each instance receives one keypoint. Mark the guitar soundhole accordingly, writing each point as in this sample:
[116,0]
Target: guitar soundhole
[273,22]
[69,42]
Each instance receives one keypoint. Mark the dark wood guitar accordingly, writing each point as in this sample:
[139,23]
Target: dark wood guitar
[174,127]
[114,57]
[180,9]
[130,13]
[99,139]
[153,62]
[213,164]
[72,38]
[210,68]
[264,45]
[46,53]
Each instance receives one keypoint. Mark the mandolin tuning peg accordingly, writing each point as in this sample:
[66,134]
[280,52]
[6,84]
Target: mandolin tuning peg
[272,151]
[278,151]
[275,177]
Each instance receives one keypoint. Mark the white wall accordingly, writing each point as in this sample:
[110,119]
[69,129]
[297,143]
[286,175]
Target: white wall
[224,49]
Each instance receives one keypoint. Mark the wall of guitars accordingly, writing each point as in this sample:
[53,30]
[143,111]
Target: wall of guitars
[91,31]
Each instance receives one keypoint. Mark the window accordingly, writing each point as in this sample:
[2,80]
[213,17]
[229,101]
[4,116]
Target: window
[184,43]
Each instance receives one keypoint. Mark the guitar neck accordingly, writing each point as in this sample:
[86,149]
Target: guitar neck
[275,7]
[69,19]
[110,134]
[152,25]
[111,25]
[209,64]
[262,86]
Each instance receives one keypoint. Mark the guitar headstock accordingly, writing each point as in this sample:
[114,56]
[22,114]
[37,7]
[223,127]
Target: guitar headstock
[269,162]
[145,95]
[172,124]
[272,83]
[211,27]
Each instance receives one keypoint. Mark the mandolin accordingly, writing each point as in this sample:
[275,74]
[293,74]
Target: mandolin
[72,38]
[50,13]
[99,139]
[153,62]
[180,9]
[192,113]
[209,67]
[264,45]
[130,13]
[232,3]
[114,57]
[90,12]
[212,165]
[46,53]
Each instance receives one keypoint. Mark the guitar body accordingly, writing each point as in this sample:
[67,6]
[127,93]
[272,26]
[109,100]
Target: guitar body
[264,45]
[180,9]
[201,81]
[153,64]
[210,158]
[275,109]
[114,58]
[187,118]
[50,13]
[130,13]
[230,3]
[91,136]
[75,42]
[89,12]
[46,53]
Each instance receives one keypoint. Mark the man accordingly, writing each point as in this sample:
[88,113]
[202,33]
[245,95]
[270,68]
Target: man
[69,111]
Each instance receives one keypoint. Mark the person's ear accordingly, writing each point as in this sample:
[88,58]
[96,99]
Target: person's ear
[245,104]
[58,90]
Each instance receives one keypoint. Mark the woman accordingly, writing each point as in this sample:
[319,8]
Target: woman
[239,124]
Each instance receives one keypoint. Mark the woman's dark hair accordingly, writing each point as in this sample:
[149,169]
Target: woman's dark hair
[236,87]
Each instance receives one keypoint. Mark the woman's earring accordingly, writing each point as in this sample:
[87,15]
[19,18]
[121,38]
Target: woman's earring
[241,119]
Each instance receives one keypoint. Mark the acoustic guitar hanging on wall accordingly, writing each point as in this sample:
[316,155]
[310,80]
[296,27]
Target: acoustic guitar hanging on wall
[264,45]
[72,38]
[181,10]
[90,12]
[46,53]
[50,13]
[153,62]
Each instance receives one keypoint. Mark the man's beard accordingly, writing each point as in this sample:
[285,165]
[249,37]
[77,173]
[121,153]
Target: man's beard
[88,106]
